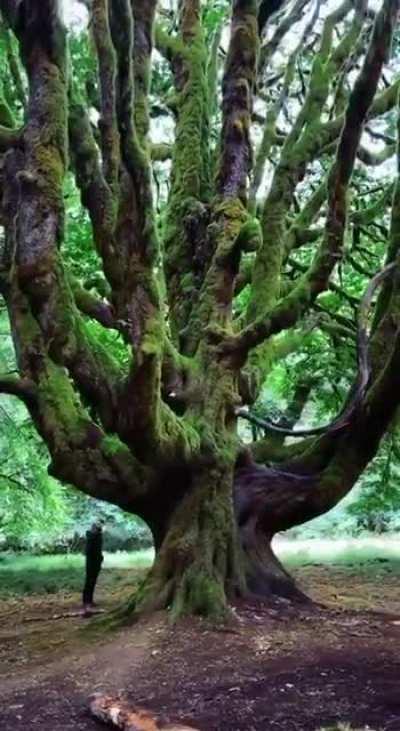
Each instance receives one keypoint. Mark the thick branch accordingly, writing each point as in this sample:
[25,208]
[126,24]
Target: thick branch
[107,75]
[267,10]
[9,138]
[328,132]
[92,306]
[186,247]
[23,388]
[14,65]
[269,133]
[143,15]
[229,220]
[237,89]
[39,292]
[294,16]
[96,194]
[375,159]
[287,312]
[291,168]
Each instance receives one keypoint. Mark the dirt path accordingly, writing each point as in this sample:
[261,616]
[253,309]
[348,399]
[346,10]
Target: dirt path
[276,670]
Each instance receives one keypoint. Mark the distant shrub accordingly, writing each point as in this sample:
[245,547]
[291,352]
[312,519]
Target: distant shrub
[129,535]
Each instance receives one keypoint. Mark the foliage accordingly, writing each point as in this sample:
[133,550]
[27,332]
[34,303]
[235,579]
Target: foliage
[36,511]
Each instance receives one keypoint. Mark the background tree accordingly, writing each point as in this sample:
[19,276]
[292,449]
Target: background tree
[133,370]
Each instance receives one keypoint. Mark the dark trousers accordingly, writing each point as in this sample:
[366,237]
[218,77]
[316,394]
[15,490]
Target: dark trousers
[92,573]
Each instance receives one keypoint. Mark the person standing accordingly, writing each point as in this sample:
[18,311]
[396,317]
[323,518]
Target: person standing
[94,559]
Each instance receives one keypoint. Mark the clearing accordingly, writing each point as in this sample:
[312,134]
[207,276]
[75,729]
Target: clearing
[275,669]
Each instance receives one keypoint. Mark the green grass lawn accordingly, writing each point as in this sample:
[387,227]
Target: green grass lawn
[25,574]
[338,552]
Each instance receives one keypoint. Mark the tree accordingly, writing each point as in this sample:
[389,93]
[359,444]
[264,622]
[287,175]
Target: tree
[207,291]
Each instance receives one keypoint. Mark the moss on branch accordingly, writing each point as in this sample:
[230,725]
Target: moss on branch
[107,63]
[9,138]
[190,176]
[288,310]
[237,104]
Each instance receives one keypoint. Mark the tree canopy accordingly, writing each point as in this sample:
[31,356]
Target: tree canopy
[195,197]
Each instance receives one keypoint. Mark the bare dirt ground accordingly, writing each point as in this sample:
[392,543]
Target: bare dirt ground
[275,669]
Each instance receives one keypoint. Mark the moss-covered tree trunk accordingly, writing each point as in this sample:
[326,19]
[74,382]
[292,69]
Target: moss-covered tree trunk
[198,565]
[152,426]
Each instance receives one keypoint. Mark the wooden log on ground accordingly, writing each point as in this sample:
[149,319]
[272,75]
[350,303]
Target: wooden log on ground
[117,712]
[65,615]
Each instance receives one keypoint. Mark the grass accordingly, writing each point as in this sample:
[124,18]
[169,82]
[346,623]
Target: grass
[338,552]
[25,574]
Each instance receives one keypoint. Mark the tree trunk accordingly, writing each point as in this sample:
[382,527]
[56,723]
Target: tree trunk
[216,542]
[198,565]
[265,575]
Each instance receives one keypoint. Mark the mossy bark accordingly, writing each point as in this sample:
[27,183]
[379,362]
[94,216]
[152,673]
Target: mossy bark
[198,566]
[266,578]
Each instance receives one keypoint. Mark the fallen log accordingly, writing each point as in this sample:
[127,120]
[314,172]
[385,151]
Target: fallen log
[65,615]
[118,712]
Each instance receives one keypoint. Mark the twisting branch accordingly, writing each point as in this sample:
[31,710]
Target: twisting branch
[376,158]
[267,10]
[14,65]
[92,306]
[329,132]
[293,158]
[388,291]
[96,195]
[9,138]
[107,75]
[143,16]
[23,388]
[363,373]
[229,215]
[237,89]
[186,248]
[269,133]
[269,49]
[288,311]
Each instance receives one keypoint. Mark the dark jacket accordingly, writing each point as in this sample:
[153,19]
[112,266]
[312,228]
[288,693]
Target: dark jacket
[94,546]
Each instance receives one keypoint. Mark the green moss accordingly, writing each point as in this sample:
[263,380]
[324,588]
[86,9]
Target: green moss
[170,45]
[250,235]
[190,178]
[60,409]
[200,594]
[6,117]
[111,445]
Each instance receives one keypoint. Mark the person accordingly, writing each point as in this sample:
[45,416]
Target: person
[94,559]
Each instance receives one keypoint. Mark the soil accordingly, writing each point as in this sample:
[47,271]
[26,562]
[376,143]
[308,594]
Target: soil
[276,668]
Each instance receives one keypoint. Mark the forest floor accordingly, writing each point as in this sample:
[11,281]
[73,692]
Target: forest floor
[275,669]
